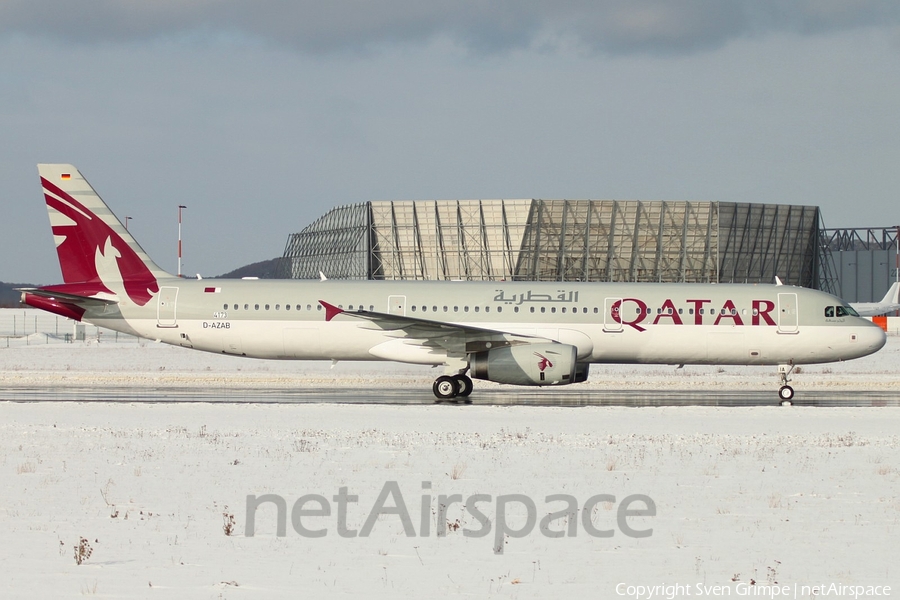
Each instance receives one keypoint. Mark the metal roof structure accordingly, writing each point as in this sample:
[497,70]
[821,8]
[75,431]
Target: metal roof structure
[562,240]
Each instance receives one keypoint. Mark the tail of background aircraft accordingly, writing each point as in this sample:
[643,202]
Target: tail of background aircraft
[892,294]
[97,255]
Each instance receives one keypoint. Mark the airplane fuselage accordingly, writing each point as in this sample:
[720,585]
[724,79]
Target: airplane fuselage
[606,322]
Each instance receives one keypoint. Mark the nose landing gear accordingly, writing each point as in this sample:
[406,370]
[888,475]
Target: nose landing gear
[785,392]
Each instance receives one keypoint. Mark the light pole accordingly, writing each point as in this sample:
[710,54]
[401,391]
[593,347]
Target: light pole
[180,208]
[126,222]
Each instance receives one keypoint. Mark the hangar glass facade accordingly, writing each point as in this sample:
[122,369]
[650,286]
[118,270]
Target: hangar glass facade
[562,240]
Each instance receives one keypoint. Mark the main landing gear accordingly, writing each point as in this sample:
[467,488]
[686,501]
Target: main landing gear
[448,387]
[785,392]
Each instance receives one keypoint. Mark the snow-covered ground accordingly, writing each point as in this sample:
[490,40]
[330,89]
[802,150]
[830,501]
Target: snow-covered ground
[797,496]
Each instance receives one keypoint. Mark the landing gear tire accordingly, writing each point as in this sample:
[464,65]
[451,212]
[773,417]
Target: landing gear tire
[465,386]
[786,393]
[445,387]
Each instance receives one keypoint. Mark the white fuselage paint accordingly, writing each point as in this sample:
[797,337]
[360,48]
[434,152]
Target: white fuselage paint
[601,319]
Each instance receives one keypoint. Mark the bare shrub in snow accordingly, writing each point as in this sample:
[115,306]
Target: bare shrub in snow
[83,551]
[457,471]
[228,522]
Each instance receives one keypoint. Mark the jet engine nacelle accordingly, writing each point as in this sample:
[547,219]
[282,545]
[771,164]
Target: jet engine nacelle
[526,364]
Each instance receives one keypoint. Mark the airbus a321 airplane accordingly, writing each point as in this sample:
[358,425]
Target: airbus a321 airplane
[521,333]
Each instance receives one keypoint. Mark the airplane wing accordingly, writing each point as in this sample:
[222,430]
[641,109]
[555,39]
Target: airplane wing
[455,339]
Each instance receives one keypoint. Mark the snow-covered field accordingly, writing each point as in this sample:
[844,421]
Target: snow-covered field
[772,495]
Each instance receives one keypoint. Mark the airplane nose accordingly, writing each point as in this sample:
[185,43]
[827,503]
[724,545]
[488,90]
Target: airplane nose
[873,338]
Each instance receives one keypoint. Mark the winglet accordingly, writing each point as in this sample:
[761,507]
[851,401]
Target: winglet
[331,311]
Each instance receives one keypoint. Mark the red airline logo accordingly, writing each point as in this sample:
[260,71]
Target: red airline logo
[544,362]
[87,236]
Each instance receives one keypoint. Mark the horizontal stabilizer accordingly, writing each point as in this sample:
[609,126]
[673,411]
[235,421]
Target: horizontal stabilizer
[53,294]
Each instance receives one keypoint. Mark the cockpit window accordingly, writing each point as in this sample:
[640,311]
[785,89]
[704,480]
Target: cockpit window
[829,311]
[846,311]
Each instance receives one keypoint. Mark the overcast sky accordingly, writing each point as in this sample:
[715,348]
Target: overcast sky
[259,116]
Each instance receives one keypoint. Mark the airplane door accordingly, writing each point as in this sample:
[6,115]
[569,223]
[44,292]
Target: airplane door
[788,315]
[165,307]
[611,308]
[397,305]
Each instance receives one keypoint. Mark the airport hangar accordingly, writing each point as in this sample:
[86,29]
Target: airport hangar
[593,240]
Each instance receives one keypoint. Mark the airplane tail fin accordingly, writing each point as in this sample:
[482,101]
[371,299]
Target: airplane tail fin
[892,294]
[97,255]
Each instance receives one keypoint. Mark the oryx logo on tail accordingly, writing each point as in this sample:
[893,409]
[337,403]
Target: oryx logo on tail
[91,252]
